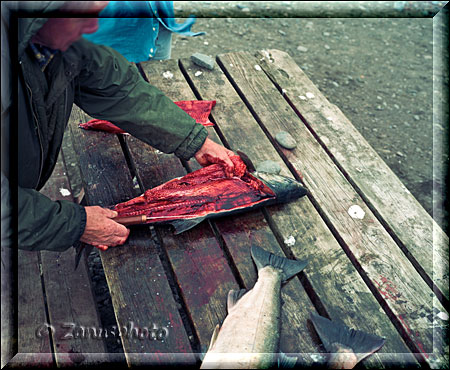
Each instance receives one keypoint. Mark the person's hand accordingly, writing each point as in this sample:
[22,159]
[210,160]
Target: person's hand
[211,153]
[101,231]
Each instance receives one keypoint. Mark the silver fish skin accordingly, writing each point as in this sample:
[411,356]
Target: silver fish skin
[285,188]
[249,335]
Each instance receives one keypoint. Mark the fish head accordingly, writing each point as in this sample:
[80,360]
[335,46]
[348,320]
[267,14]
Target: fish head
[285,188]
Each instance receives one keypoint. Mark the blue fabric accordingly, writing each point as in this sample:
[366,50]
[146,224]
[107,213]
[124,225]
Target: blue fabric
[135,38]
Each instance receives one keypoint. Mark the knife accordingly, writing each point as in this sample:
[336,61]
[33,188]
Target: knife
[246,160]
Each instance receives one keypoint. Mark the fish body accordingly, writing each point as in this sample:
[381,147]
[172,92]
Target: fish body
[208,193]
[346,347]
[249,335]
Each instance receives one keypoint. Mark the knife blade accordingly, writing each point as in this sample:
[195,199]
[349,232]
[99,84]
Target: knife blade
[80,248]
[246,160]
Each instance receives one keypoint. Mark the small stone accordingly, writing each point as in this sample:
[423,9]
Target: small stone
[327,47]
[310,95]
[335,83]
[203,60]
[417,118]
[269,167]
[282,33]
[290,241]
[302,49]
[285,140]
[356,211]
[257,67]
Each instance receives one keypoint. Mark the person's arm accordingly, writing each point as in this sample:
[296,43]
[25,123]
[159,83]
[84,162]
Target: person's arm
[47,224]
[57,225]
[111,88]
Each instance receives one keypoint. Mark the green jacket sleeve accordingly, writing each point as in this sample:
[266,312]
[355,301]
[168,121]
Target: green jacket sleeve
[47,224]
[111,88]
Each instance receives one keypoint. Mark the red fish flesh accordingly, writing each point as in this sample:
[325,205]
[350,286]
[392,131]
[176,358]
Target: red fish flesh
[101,125]
[197,109]
[208,192]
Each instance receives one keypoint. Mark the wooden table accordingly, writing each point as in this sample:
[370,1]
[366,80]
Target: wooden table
[383,270]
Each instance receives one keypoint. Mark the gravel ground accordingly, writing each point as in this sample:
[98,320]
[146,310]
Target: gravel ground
[374,65]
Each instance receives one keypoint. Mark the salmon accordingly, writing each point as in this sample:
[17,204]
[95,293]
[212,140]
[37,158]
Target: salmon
[197,109]
[208,193]
[249,335]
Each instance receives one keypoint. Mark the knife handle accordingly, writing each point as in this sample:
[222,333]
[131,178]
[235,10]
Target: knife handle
[131,220]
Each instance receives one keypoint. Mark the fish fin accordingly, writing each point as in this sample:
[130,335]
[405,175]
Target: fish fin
[233,297]
[215,334]
[263,258]
[285,361]
[336,333]
[184,225]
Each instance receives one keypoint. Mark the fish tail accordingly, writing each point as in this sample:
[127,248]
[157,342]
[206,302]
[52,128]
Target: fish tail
[336,335]
[289,267]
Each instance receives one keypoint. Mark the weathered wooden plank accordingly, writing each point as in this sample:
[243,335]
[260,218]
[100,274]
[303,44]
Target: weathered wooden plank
[33,336]
[383,266]
[198,262]
[58,186]
[411,225]
[140,292]
[301,221]
[71,308]
[69,297]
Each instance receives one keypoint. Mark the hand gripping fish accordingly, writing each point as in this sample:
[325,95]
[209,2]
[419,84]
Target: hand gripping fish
[208,193]
[249,335]
[346,346]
